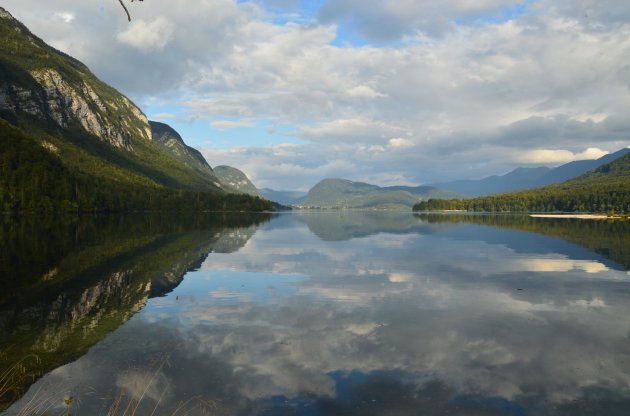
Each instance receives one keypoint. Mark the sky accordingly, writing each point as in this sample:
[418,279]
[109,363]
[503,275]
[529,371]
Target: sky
[390,92]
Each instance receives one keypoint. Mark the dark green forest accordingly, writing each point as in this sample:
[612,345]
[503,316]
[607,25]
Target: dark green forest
[34,180]
[604,190]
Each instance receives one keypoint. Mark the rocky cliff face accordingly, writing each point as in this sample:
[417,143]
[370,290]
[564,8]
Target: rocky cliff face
[38,81]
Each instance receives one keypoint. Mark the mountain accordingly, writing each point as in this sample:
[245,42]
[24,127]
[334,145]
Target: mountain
[519,178]
[525,178]
[70,142]
[168,138]
[424,191]
[283,197]
[574,169]
[235,180]
[605,189]
[343,193]
[54,88]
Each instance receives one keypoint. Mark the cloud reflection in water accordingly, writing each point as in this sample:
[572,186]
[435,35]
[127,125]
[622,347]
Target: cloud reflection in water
[418,320]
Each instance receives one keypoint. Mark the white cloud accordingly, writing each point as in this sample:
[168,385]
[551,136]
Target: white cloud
[400,143]
[231,124]
[364,91]
[560,265]
[148,37]
[478,97]
[162,116]
[401,277]
[554,157]
[591,153]
[282,166]
[360,129]
[66,17]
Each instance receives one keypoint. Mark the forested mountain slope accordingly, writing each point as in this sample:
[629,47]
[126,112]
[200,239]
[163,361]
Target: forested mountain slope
[527,178]
[605,189]
[78,144]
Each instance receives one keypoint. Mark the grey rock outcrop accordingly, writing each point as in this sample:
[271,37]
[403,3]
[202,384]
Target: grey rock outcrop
[39,81]
[59,101]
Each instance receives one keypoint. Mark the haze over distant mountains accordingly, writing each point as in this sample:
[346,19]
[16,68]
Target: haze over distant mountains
[604,190]
[526,178]
[343,193]
[283,197]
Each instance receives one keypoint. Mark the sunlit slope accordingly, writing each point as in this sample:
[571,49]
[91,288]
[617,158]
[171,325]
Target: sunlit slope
[605,189]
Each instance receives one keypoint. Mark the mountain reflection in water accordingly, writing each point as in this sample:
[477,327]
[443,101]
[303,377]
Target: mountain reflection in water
[326,313]
[67,285]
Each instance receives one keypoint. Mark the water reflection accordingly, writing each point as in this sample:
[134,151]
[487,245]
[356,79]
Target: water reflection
[609,239]
[66,285]
[344,225]
[377,314]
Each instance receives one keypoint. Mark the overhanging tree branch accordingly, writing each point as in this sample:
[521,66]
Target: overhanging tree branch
[125,8]
[126,11]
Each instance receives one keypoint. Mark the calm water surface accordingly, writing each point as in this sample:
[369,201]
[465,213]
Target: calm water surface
[316,314]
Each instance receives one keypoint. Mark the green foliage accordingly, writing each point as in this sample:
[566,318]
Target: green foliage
[235,180]
[167,137]
[605,190]
[94,168]
[21,52]
[33,179]
[342,193]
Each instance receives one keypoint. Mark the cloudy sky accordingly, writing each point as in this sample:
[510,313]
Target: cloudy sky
[388,92]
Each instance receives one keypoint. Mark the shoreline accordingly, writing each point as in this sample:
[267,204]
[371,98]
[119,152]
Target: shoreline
[577,216]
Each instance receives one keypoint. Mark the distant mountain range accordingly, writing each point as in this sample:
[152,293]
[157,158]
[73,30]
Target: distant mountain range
[70,142]
[343,193]
[526,178]
[340,193]
[283,197]
[604,190]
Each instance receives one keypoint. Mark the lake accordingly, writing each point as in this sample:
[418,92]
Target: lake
[325,313]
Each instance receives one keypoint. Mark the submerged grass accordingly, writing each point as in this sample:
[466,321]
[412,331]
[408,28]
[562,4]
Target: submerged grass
[13,378]
[61,401]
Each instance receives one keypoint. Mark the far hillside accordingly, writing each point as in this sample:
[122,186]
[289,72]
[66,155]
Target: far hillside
[527,178]
[234,180]
[343,193]
[603,190]
[283,197]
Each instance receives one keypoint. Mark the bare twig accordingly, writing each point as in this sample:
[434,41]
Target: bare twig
[126,11]
[125,7]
